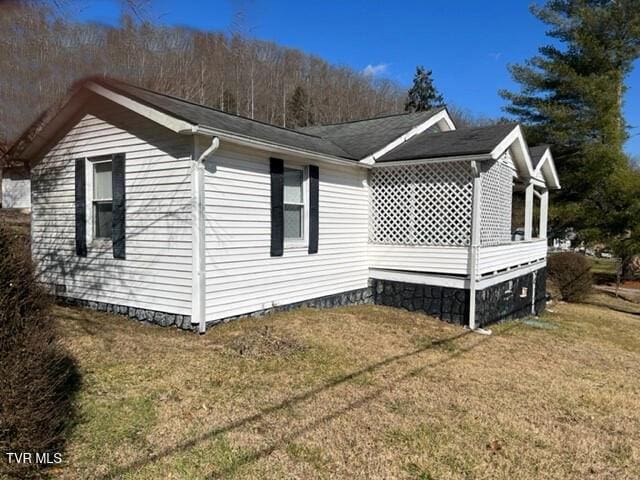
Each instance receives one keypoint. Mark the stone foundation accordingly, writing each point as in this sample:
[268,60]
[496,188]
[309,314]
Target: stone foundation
[448,304]
[150,317]
[503,301]
[507,300]
[354,297]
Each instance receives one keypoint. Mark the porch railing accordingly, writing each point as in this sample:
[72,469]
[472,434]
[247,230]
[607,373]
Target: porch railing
[511,255]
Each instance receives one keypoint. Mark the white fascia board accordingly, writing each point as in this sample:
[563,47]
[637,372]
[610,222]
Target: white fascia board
[440,117]
[547,170]
[268,146]
[515,137]
[420,161]
[544,158]
[491,280]
[419,278]
[151,113]
[452,281]
[70,106]
[538,182]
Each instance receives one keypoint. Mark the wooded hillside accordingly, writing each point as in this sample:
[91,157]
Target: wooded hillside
[42,54]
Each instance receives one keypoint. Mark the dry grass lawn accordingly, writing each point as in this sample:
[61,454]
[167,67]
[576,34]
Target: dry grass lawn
[359,392]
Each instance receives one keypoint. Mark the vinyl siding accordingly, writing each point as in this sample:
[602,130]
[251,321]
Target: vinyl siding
[242,277]
[157,272]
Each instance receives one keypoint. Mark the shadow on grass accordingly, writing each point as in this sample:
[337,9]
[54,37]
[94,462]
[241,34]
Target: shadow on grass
[282,442]
[603,278]
[628,311]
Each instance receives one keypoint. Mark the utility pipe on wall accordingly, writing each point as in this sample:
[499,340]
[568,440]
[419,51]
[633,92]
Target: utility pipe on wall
[533,292]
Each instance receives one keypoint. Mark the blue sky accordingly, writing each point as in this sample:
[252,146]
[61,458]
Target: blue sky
[468,44]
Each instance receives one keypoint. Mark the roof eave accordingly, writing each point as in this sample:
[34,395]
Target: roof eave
[547,169]
[441,116]
[268,146]
[75,100]
[169,121]
[419,161]
[516,141]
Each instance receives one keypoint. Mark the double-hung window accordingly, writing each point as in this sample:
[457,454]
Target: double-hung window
[294,204]
[102,198]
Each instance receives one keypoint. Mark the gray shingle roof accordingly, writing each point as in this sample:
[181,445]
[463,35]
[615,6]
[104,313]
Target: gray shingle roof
[467,141]
[361,138]
[350,140]
[217,119]
[536,154]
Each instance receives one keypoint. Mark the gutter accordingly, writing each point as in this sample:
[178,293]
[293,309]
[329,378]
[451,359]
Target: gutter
[198,230]
[420,161]
[268,146]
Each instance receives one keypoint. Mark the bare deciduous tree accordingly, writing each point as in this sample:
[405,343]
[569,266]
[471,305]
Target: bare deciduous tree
[43,53]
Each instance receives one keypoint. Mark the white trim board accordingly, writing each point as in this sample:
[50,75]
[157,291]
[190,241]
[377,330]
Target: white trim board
[270,147]
[510,274]
[153,114]
[453,281]
[521,158]
[546,170]
[421,161]
[441,117]
[419,278]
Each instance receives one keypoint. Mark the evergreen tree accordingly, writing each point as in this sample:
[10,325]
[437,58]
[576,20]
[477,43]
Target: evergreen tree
[571,96]
[299,109]
[423,94]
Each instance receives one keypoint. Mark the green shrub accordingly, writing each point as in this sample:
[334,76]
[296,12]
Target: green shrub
[571,272]
[37,376]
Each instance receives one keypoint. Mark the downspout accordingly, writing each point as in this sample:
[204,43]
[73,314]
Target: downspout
[198,230]
[474,247]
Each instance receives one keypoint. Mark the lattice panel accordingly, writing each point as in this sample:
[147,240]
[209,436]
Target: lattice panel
[495,206]
[428,204]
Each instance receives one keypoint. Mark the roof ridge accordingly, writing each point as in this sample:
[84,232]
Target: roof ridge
[175,97]
[387,115]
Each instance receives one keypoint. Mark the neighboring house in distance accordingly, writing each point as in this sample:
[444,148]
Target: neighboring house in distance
[15,184]
[175,213]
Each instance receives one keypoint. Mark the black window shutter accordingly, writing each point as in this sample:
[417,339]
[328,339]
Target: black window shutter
[314,178]
[118,233]
[81,209]
[276,169]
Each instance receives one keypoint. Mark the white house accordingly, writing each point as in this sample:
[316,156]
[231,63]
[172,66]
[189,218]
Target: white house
[14,183]
[16,188]
[176,213]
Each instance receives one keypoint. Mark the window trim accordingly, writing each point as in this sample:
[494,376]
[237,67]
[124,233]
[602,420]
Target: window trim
[303,242]
[91,162]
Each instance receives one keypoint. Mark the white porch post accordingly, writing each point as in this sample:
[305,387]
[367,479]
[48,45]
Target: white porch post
[544,212]
[528,211]
[475,242]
